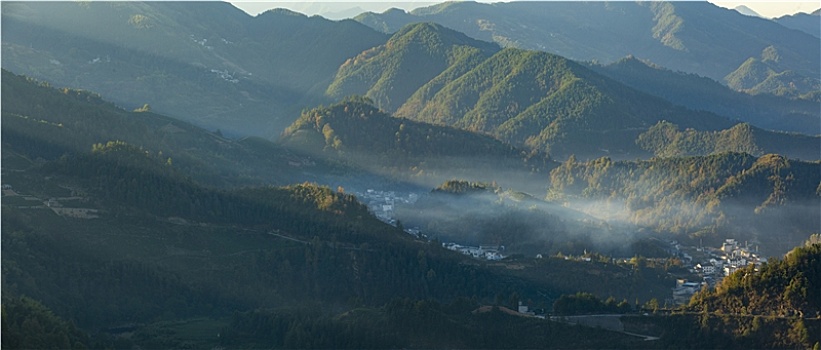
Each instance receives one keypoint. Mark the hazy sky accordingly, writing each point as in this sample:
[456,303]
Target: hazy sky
[338,9]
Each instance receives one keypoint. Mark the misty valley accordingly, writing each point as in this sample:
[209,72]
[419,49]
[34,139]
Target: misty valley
[462,175]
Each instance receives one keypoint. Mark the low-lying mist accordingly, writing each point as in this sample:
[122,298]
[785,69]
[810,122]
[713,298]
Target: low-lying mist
[519,222]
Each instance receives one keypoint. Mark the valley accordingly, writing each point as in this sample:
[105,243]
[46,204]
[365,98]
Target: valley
[463,175]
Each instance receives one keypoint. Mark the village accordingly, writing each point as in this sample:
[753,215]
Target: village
[713,265]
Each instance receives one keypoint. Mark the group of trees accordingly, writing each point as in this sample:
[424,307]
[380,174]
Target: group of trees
[586,303]
[782,287]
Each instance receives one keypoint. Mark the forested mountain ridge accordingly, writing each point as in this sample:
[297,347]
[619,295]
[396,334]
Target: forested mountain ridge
[666,139]
[354,131]
[770,198]
[678,35]
[534,99]
[415,56]
[698,93]
[206,62]
[549,103]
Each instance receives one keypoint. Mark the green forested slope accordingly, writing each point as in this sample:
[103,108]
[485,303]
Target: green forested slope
[770,198]
[389,74]
[527,98]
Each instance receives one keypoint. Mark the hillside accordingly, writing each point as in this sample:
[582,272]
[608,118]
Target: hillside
[208,63]
[563,105]
[699,93]
[679,35]
[355,132]
[46,123]
[770,199]
[389,74]
[129,248]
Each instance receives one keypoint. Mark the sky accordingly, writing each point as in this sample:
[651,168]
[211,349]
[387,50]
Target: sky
[341,9]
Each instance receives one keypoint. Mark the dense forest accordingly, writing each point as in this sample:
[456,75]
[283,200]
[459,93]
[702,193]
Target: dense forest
[771,199]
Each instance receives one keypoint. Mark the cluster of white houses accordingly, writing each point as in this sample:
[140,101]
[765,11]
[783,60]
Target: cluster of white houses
[488,252]
[721,262]
[383,203]
[726,260]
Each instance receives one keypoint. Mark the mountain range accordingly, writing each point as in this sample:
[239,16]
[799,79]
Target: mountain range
[183,175]
[211,64]
[223,69]
[537,100]
[693,37]
[698,93]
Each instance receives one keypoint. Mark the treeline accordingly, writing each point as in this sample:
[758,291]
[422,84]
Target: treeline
[665,139]
[586,303]
[465,187]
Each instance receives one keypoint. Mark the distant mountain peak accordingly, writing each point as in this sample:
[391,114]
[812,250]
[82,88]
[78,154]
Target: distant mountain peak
[283,11]
[633,61]
[744,10]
